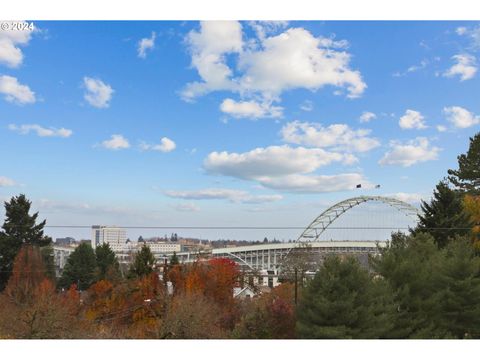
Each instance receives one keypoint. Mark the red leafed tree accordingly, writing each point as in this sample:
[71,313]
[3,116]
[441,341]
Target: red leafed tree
[28,272]
[222,275]
[269,316]
[133,309]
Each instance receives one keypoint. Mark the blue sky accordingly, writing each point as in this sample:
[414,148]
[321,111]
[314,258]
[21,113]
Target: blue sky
[228,123]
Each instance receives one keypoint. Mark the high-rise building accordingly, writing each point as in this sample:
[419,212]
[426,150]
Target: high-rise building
[115,236]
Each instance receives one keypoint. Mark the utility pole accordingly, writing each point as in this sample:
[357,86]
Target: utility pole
[296,285]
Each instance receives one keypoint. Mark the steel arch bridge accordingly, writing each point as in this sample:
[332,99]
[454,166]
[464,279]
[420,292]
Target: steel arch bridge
[318,226]
[271,256]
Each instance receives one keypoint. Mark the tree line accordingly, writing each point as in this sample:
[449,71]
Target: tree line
[425,284]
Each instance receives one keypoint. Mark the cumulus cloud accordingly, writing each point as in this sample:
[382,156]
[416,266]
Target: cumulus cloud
[337,136]
[116,142]
[413,198]
[10,42]
[462,30]
[5,181]
[40,130]
[307,105]
[367,116]
[410,153]
[423,64]
[235,196]
[250,109]
[297,59]
[460,117]
[15,92]
[208,48]
[264,28]
[271,161]
[285,168]
[186,207]
[412,120]
[315,183]
[441,128]
[98,93]
[146,44]
[473,33]
[166,145]
[465,67]
[293,59]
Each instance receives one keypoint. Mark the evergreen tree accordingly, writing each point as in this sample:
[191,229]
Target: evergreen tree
[19,229]
[107,263]
[143,263]
[467,177]
[444,217]
[80,268]
[344,302]
[459,295]
[174,259]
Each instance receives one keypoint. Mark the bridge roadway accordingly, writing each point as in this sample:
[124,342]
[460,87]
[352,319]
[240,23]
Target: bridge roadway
[268,256]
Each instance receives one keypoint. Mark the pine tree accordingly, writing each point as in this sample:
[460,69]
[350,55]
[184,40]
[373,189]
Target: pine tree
[174,259]
[80,268]
[143,263]
[459,295]
[467,177]
[344,302]
[408,265]
[444,217]
[107,263]
[19,229]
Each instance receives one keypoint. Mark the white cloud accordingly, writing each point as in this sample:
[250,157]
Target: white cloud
[250,109]
[284,168]
[473,33]
[186,207]
[166,145]
[367,116]
[208,48]
[410,153]
[423,64]
[297,59]
[412,120]
[15,92]
[5,181]
[290,60]
[414,198]
[264,28]
[441,128]
[315,183]
[460,117]
[307,105]
[10,41]
[98,93]
[116,142]
[271,161]
[465,67]
[338,136]
[41,131]
[462,30]
[146,44]
[235,196]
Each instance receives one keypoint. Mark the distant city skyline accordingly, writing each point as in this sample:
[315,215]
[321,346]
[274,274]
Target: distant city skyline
[230,123]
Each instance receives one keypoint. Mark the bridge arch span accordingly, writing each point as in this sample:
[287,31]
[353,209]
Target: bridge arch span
[318,226]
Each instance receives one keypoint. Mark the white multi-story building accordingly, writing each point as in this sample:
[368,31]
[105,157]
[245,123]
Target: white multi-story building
[114,236]
[162,247]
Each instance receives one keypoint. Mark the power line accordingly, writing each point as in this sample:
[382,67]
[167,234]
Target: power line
[258,227]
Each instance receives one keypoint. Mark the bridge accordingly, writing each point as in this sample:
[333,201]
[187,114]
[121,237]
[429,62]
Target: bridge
[271,256]
[312,241]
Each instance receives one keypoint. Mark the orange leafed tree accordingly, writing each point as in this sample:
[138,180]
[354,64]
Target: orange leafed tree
[471,205]
[31,308]
[27,274]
